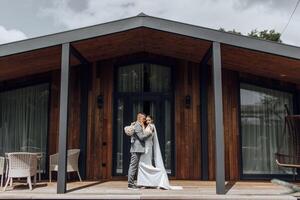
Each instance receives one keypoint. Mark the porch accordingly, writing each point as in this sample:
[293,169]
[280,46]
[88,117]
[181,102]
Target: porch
[80,67]
[118,190]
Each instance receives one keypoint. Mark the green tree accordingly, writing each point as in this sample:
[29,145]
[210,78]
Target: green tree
[266,34]
[271,35]
[230,31]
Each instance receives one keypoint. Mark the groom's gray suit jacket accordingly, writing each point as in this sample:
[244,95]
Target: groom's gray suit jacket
[138,139]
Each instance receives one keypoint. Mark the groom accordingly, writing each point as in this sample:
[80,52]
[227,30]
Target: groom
[137,148]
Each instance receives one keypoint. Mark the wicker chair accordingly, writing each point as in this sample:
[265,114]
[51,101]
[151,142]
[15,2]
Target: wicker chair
[41,157]
[290,158]
[72,162]
[22,165]
[2,160]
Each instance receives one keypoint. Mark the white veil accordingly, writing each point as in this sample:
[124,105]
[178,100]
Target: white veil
[164,183]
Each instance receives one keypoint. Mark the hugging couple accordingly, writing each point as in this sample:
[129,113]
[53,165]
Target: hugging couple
[144,149]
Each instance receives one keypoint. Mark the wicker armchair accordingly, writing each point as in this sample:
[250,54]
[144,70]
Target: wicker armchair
[289,156]
[22,165]
[41,157]
[2,160]
[72,162]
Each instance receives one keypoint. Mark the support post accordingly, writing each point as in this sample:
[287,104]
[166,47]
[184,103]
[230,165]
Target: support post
[63,119]
[219,129]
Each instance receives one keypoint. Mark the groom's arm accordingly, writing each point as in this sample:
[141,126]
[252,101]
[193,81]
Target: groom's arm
[141,135]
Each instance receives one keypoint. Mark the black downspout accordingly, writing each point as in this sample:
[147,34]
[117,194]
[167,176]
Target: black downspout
[84,86]
[297,103]
[204,112]
[204,119]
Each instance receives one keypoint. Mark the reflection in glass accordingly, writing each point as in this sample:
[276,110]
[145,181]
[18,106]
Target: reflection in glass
[137,107]
[120,122]
[130,78]
[262,125]
[167,132]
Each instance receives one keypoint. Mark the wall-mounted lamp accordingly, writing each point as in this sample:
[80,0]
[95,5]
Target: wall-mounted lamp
[100,101]
[188,101]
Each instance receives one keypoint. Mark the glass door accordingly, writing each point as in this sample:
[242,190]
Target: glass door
[128,107]
[142,88]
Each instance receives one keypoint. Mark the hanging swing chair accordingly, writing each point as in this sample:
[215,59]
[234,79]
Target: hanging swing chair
[288,155]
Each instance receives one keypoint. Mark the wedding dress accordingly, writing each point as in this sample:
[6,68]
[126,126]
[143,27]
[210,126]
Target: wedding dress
[148,175]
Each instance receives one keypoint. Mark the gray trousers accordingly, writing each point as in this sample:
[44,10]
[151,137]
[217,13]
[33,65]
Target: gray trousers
[133,166]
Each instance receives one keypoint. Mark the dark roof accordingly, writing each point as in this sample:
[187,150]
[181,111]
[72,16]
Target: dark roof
[143,20]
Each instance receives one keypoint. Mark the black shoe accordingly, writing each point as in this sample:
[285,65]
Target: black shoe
[132,187]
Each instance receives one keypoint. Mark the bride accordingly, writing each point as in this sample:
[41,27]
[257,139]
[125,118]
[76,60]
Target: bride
[149,175]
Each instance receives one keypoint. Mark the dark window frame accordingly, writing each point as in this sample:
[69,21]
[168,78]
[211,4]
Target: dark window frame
[261,83]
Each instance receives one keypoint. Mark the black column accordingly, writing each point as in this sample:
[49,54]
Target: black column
[63,119]
[219,129]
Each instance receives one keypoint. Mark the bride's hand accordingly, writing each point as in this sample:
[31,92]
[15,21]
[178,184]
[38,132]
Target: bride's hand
[149,131]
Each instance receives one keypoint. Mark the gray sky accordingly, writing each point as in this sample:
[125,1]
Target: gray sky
[20,19]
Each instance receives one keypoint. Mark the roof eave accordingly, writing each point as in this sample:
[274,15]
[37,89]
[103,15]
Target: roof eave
[154,23]
[223,37]
[70,36]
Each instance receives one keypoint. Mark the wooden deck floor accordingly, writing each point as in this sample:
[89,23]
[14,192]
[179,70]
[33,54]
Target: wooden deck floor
[118,190]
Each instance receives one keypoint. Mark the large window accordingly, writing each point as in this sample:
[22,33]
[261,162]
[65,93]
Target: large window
[147,88]
[144,78]
[262,125]
[24,120]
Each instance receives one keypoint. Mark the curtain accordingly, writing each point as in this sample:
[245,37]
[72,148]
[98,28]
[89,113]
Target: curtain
[159,78]
[24,120]
[262,128]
